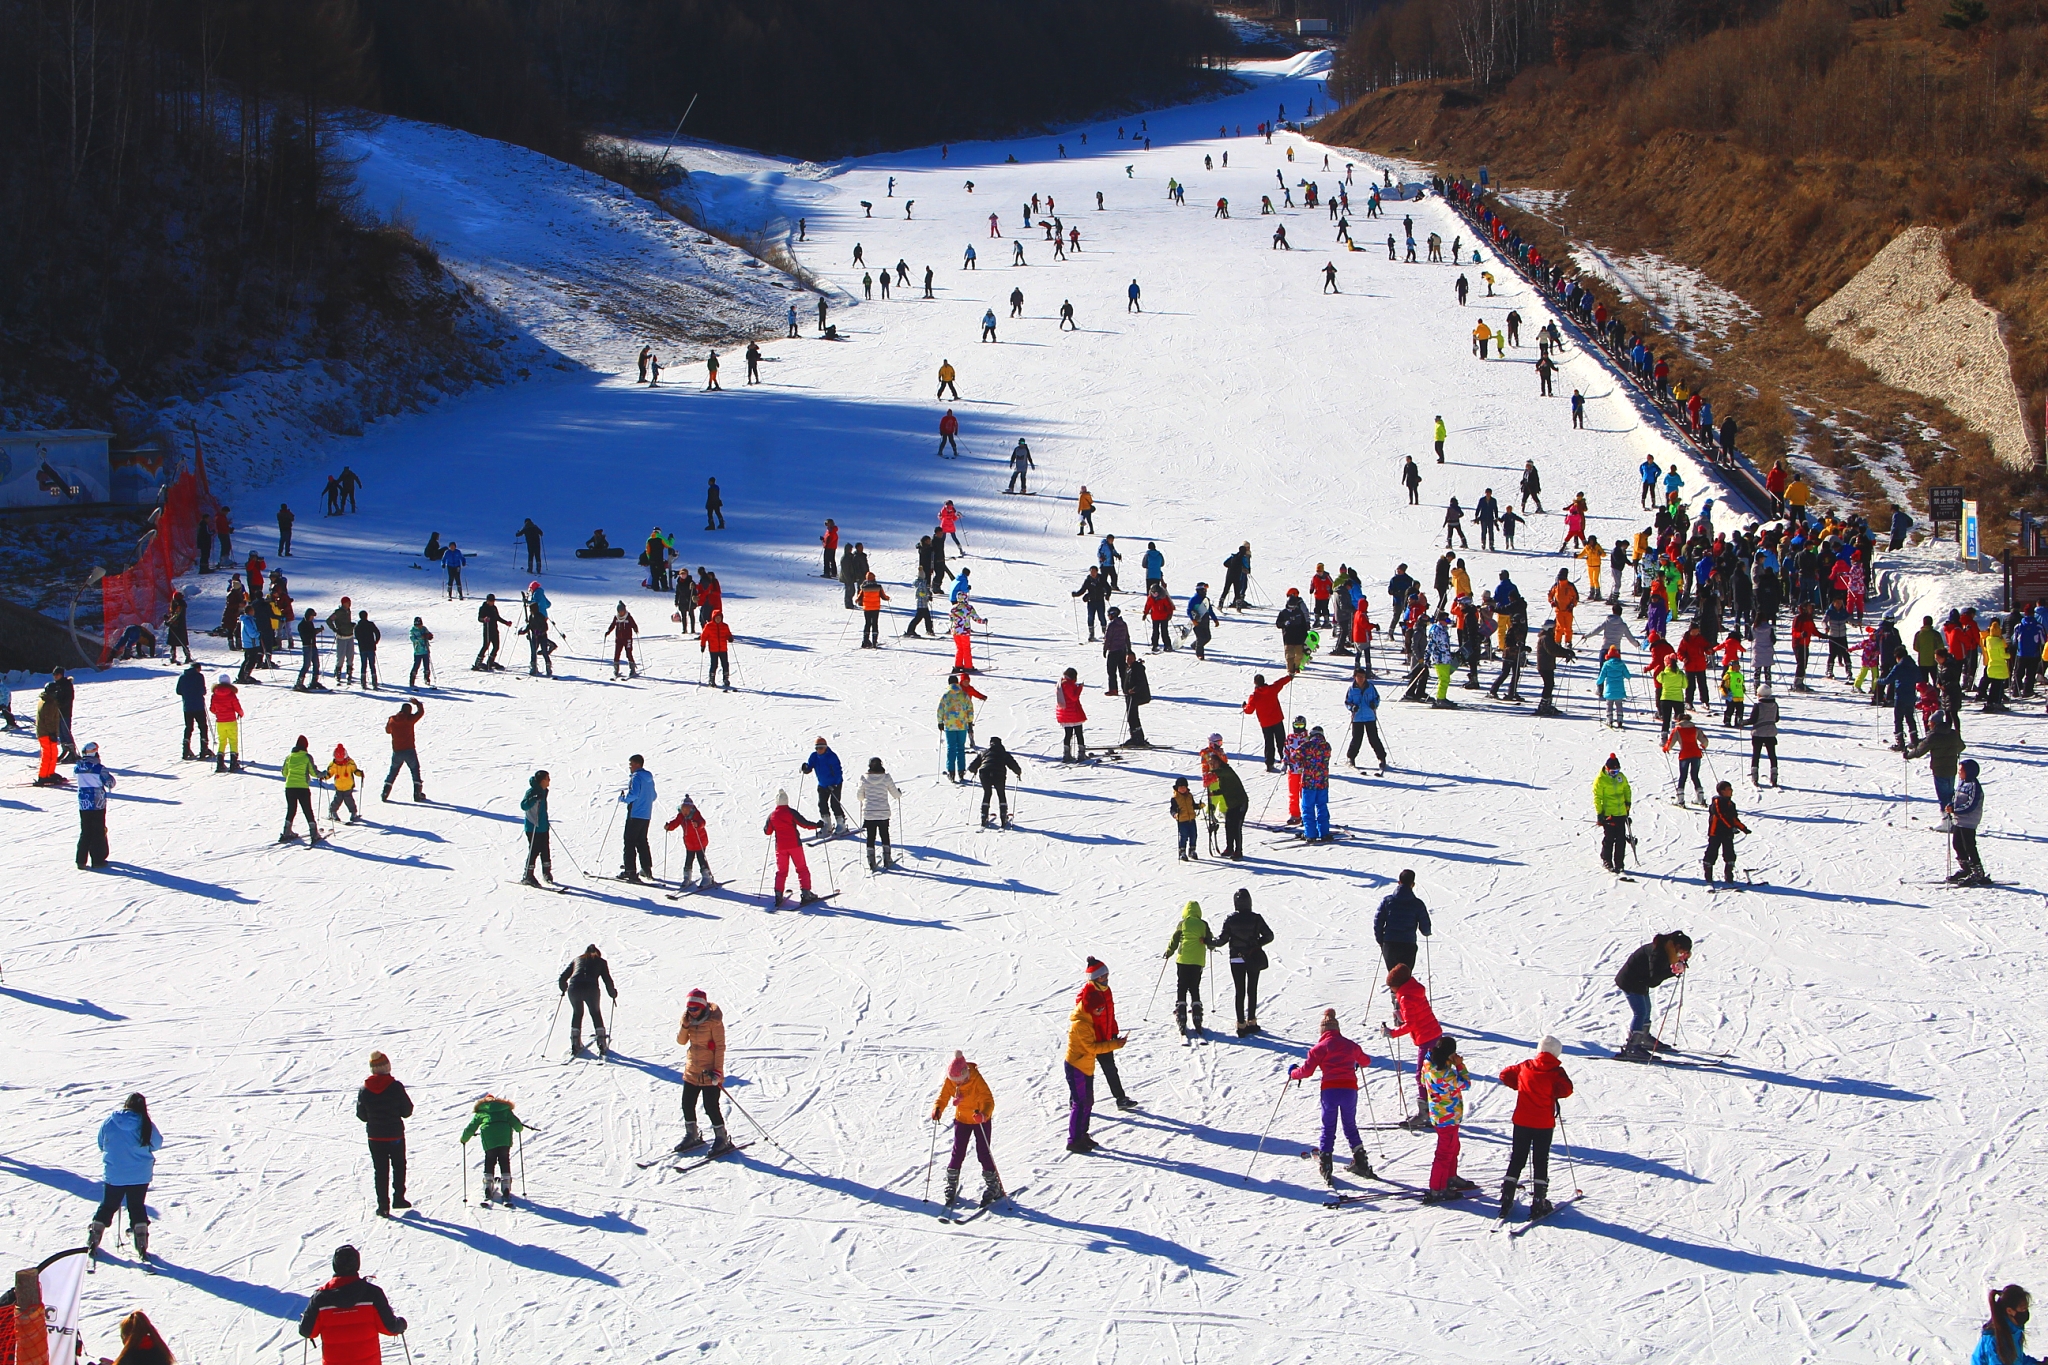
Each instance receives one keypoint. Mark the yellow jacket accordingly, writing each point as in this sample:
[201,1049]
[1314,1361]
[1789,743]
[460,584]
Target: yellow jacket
[945,374]
[976,1103]
[1997,653]
[1461,583]
[1083,1046]
[1594,557]
[343,775]
[1482,331]
[1086,501]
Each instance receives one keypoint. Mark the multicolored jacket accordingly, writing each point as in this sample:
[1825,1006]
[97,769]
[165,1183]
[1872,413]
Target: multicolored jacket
[1446,1090]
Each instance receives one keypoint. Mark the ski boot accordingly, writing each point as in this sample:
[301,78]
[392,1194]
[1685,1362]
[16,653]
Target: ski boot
[1360,1166]
[1126,1102]
[288,837]
[1463,1186]
[627,874]
[807,897]
[991,1187]
[1507,1200]
[720,1143]
[780,900]
[1539,1204]
[1180,1019]
[952,1192]
[1418,1123]
[528,880]
[691,1137]
[604,1044]
[1637,1048]
[235,763]
[1006,819]
[140,1232]
[576,1048]
[1251,1025]
[93,1233]
[1324,1165]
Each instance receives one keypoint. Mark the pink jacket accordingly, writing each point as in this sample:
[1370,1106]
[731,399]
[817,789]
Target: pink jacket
[1418,1020]
[1338,1057]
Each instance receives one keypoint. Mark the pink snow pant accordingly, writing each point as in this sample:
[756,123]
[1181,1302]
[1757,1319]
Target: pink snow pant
[783,858]
[1445,1166]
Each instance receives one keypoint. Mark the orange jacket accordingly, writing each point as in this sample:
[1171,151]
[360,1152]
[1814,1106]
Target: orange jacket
[705,1037]
[716,637]
[976,1103]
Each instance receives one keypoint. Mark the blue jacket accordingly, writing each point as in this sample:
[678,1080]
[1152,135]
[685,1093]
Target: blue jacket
[1903,678]
[825,767]
[1153,562]
[192,687]
[1364,703]
[1504,595]
[1987,1348]
[1613,680]
[639,796]
[127,1161]
[960,587]
[452,558]
[94,782]
[1402,916]
[252,634]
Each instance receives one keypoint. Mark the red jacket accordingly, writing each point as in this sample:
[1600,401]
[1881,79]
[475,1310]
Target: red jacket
[347,1316]
[1539,1084]
[1687,738]
[1418,1020]
[1803,630]
[784,823]
[1264,702]
[716,637]
[949,425]
[399,727]
[695,835]
[1775,482]
[1692,653]
[1320,587]
[831,537]
[1339,1059]
[1361,623]
[1660,650]
[224,702]
[1101,1008]
[710,598]
[1159,607]
[1067,703]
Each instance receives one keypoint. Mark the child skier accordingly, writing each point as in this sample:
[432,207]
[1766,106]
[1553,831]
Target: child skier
[696,837]
[494,1120]
[1722,824]
[703,1032]
[226,705]
[344,774]
[1691,746]
[1418,1025]
[1182,804]
[974,1108]
[1665,956]
[1539,1084]
[1338,1058]
[1445,1083]
[1190,945]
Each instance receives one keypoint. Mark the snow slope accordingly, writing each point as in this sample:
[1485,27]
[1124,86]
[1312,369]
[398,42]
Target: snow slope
[1842,1191]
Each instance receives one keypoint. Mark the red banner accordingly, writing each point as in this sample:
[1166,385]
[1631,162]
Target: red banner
[141,594]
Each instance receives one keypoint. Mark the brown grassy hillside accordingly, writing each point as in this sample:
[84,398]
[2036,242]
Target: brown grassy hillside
[1778,158]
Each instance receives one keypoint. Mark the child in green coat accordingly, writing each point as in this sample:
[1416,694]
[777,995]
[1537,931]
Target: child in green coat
[494,1120]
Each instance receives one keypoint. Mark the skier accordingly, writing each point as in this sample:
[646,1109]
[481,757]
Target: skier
[995,764]
[1071,717]
[962,618]
[826,770]
[1245,935]
[716,640]
[531,534]
[1722,823]
[191,689]
[1087,1041]
[784,823]
[1312,760]
[621,632]
[1237,573]
[1532,486]
[1293,624]
[1418,1023]
[702,1033]
[298,771]
[93,782]
[1362,700]
[1338,1058]
[1442,432]
[533,809]
[1612,800]
[452,559]
[1189,946]
[383,1107]
[956,719]
[874,793]
[539,648]
[348,1313]
[1691,747]
[490,619]
[974,1109]
[1664,957]
[580,981]
[1550,647]
[714,500]
[638,799]
[1131,296]
[1965,811]
[1202,621]
[1264,705]
[226,705]
[1226,794]
[1137,693]
[422,659]
[1763,734]
[494,1125]
[1539,1084]
[128,1143]
[1020,463]
[1401,918]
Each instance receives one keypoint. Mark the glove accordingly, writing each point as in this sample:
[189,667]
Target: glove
[1386,1031]
[935,1116]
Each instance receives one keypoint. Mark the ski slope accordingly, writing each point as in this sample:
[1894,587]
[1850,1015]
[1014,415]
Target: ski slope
[1842,1190]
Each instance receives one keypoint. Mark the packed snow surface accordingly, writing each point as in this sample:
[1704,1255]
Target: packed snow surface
[1842,1189]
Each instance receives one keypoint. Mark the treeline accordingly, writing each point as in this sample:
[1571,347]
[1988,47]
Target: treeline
[168,209]
[806,77]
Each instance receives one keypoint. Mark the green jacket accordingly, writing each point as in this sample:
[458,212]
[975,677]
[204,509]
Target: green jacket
[1611,794]
[496,1121]
[298,769]
[1191,940]
[1671,682]
[1229,788]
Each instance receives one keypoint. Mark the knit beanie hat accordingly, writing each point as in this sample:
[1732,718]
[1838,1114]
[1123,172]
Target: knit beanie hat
[1097,971]
[1551,1045]
[956,1072]
[1329,1021]
[340,754]
[380,1065]
[697,1000]
[781,798]
[347,1260]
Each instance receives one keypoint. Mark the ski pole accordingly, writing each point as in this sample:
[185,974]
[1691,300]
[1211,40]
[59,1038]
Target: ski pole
[765,1134]
[1271,1119]
[465,1172]
[1156,982]
[522,1165]
[408,1349]
[931,1158]
[559,998]
[1571,1167]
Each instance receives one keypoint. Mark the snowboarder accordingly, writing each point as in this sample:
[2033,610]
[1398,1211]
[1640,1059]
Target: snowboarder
[1539,1084]
[702,1034]
[784,824]
[974,1108]
[1339,1059]
[494,1124]
[1189,947]
[638,799]
[337,1315]
[580,981]
[1664,957]
[383,1107]
[1245,935]
[995,765]
[128,1143]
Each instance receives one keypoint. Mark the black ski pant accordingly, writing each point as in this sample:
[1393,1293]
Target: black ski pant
[828,800]
[638,856]
[537,851]
[1531,1142]
[298,799]
[92,837]
[578,1003]
[1131,720]
[1276,737]
[1001,792]
[709,1095]
[498,1160]
[1098,614]
[1544,703]
[1614,841]
[1965,844]
[1696,687]
[1362,730]
[871,629]
[196,720]
[1187,991]
[387,1171]
[1114,666]
[924,614]
[1398,954]
[134,1196]
[1233,832]
[878,827]
[366,661]
[1245,981]
[487,654]
[720,659]
[1759,745]
[1721,841]
[1106,1064]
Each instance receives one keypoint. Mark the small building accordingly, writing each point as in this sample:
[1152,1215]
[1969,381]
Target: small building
[55,468]
[1311,25]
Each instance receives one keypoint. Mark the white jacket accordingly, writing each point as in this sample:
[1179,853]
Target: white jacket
[874,792]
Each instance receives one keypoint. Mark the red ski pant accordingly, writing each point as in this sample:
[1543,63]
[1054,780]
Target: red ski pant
[783,858]
[963,651]
[1445,1166]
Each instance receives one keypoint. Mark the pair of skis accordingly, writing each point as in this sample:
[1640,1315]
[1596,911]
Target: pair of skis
[967,1218]
[684,1167]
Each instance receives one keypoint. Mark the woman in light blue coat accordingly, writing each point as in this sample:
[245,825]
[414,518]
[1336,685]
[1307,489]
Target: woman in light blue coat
[1613,681]
[128,1143]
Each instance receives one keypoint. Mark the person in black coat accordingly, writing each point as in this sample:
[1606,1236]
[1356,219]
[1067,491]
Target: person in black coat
[345,1293]
[994,765]
[1648,967]
[1401,918]
[580,980]
[1116,647]
[383,1106]
[192,692]
[1245,934]
[1137,692]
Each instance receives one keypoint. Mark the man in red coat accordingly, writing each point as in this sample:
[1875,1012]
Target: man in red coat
[348,1314]
[949,433]
[1264,704]
[1539,1084]
[1692,657]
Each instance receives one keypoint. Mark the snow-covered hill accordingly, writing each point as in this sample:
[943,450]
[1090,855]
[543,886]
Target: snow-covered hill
[1841,1190]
